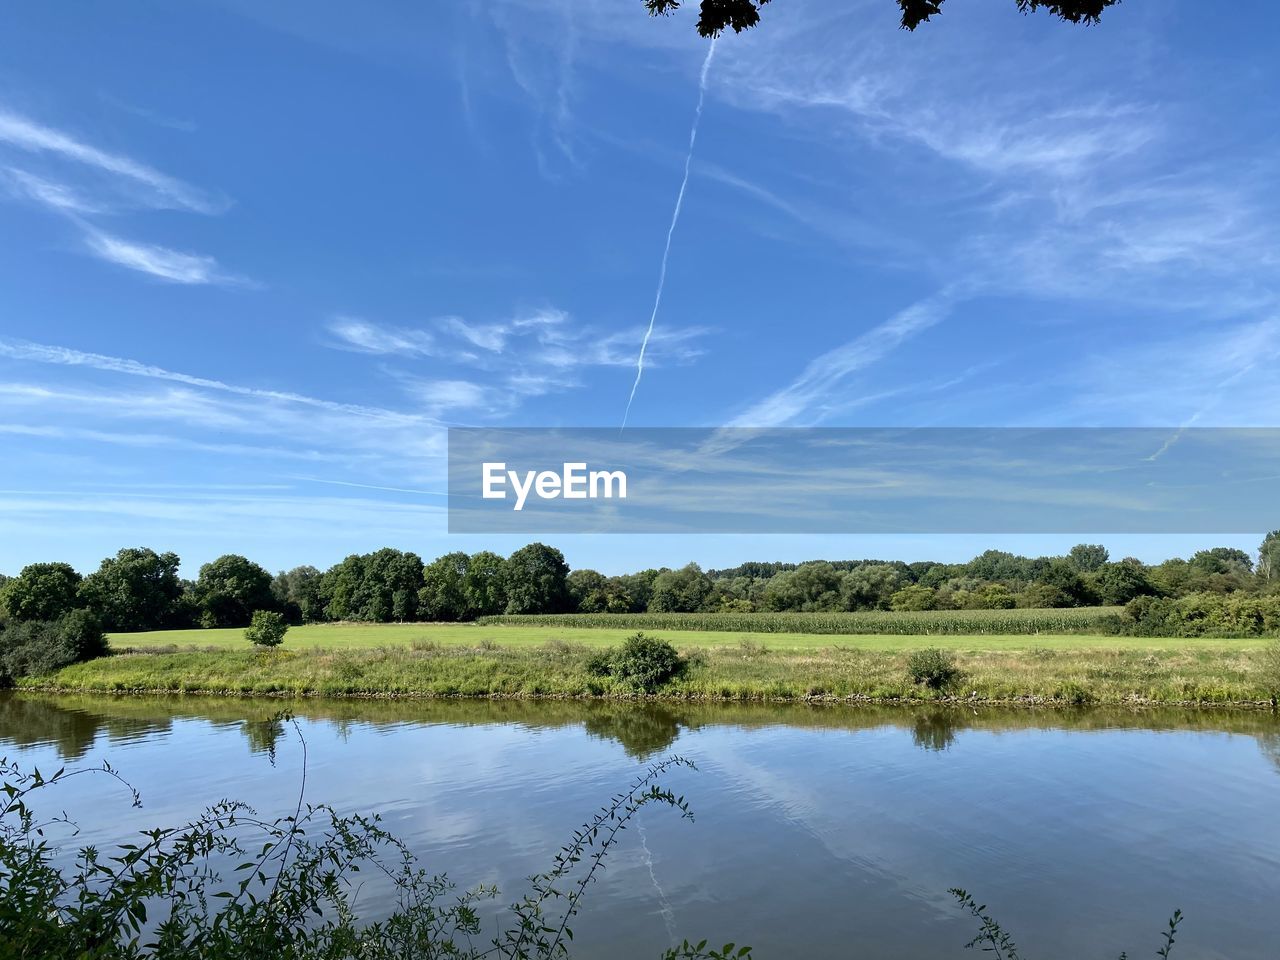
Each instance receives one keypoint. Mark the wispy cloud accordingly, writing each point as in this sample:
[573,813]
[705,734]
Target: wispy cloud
[65,356]
[160,189]
[156,261]
[108,183]
[821,382]
[534,353]
[57,196]
[352,333]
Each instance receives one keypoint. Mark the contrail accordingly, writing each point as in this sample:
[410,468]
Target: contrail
[675,217]
[668,915]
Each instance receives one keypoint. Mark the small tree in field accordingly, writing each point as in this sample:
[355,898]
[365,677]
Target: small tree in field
[267,629]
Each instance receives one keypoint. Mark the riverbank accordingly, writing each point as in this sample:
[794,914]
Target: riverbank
[1221,673]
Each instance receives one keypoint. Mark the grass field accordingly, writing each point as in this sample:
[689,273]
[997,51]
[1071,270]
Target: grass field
[519,660]
[370,636]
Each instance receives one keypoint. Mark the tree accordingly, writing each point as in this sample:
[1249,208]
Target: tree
[486,584]
[1118,583]
[588,590]
[1224,560]
[994,596]
[870,585]
[1061,574]
[444,590]
[229,589]
[537,580]
[35,647]
[1088,557]
[680,591]
[137,589]
[379,586]
[395,579]
[300,594]
[41,591]
[809,587]
[266,628]
[1269,557]
[715,15]
[914,597]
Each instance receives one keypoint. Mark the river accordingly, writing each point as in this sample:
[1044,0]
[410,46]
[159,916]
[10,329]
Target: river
[829,831]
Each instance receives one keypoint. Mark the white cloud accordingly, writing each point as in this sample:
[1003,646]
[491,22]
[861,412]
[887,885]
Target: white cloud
[161,262]
[441,396]
[161,189]
[491,337]
[57,196]
[364,337]
[804,399]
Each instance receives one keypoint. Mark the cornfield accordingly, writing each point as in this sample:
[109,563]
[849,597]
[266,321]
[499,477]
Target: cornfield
[915,623]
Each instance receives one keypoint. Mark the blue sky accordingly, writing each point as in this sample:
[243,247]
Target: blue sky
[256,257]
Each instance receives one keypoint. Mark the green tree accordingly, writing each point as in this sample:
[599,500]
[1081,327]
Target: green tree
[1061,574]
[589,591]
[299,593]
[41,591]
[1222,560]
[37,647]
[444,590]
[1088,557]
[377,587]
[137,589]
[1118,583]
[994,596]
[1269,557]
[870,585]
[394,581]
[486,583]
[809,587]
[537,580]
[266,628]
[716,15]
[229,589]
[914,597]
[680,591]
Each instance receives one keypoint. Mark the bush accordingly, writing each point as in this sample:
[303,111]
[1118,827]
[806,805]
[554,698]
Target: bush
[38,647]
[643,663]
[1200,615]
[267,629]
[935,668]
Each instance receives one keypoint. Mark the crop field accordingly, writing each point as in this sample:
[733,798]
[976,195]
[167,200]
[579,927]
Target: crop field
[755,629]
[912,623]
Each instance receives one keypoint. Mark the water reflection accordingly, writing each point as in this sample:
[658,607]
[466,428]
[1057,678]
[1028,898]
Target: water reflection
[72,724]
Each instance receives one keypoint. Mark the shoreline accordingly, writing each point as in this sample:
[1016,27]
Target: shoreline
[1190,677]
[1253,706]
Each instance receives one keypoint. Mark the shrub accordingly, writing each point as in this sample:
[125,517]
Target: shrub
[642,663]
[935,668]
[266,629]
[38,647]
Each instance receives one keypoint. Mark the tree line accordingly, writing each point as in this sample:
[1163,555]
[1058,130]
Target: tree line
[140,589]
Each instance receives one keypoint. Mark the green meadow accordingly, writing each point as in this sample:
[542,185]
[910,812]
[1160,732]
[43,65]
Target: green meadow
[511,659]
[511,633]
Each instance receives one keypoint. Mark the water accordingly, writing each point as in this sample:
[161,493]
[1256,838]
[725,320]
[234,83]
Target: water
[819,832]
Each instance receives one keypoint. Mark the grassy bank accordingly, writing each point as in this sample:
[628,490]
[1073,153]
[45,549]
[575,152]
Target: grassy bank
[1208,672]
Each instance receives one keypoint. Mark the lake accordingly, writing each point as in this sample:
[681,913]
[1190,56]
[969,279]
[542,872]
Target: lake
[829,831]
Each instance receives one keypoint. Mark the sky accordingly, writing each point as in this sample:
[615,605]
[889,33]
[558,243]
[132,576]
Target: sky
[255,259]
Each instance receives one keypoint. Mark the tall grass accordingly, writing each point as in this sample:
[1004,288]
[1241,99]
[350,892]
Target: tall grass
[913,623]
